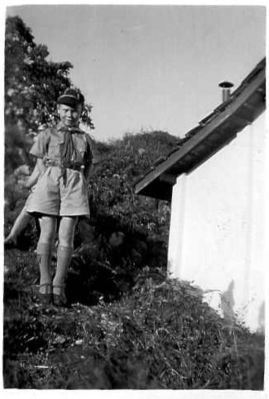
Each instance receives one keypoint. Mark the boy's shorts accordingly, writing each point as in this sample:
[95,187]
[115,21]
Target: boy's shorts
[28,199]
[56,197]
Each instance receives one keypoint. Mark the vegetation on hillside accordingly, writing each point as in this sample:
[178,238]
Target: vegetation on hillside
[111,187]
[159,335]
[127,326]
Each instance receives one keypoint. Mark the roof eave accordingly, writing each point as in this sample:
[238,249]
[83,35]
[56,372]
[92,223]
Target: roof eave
[217,127]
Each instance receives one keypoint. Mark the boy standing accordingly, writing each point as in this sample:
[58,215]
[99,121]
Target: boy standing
[64,157]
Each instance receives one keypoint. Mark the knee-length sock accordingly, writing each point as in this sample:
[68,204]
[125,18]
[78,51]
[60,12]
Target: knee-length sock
[64,255]
[44,256]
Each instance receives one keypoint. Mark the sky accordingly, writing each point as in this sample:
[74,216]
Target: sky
[149,67]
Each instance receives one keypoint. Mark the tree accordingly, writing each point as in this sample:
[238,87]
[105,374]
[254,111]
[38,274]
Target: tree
[32,83]
[32,86]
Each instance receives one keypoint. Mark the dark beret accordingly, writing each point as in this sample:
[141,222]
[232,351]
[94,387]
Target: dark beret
[71,97]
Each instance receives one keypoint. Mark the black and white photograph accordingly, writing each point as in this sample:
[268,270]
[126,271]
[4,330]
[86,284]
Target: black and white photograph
[135,198]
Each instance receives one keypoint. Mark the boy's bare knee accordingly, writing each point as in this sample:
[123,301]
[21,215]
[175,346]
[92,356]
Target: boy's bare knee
[66,239]
[67,231]
[48,229]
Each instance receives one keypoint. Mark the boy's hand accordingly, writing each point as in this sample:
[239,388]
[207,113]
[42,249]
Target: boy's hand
[23,181]
[22,171]
[21,175]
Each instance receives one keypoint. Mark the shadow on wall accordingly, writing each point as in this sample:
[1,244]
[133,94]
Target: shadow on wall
[227,305]
[262,318]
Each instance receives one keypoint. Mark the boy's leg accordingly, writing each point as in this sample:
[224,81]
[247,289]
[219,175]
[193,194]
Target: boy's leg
[44,249]
[19,225]
[64,252]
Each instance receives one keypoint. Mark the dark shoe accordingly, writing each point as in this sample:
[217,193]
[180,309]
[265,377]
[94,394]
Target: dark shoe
[45,298]
[59,299]
[10,243]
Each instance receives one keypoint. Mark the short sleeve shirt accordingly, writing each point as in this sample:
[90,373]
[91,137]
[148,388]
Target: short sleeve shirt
[50,142]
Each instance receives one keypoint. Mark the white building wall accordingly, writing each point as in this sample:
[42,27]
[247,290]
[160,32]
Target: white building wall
[217,227]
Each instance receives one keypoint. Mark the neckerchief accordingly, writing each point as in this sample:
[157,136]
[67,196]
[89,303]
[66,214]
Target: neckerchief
[68,146]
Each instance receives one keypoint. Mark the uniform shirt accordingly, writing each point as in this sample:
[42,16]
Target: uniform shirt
[62,190]
[49,145]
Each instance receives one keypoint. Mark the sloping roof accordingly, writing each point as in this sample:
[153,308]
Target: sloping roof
[245,104]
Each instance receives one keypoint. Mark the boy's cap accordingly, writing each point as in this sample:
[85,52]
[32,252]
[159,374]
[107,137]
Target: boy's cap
[71,97]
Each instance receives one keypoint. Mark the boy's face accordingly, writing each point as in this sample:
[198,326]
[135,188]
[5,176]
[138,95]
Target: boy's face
[69,116]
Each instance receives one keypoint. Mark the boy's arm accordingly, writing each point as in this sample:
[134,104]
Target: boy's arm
[40,166]
[32,180]
[39,150]
[91,157]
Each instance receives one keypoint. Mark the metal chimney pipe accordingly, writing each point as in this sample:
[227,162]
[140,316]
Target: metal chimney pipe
[226,90]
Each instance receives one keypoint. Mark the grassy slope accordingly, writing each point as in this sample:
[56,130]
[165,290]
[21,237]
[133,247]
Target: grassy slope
[161,335]
[157,334]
